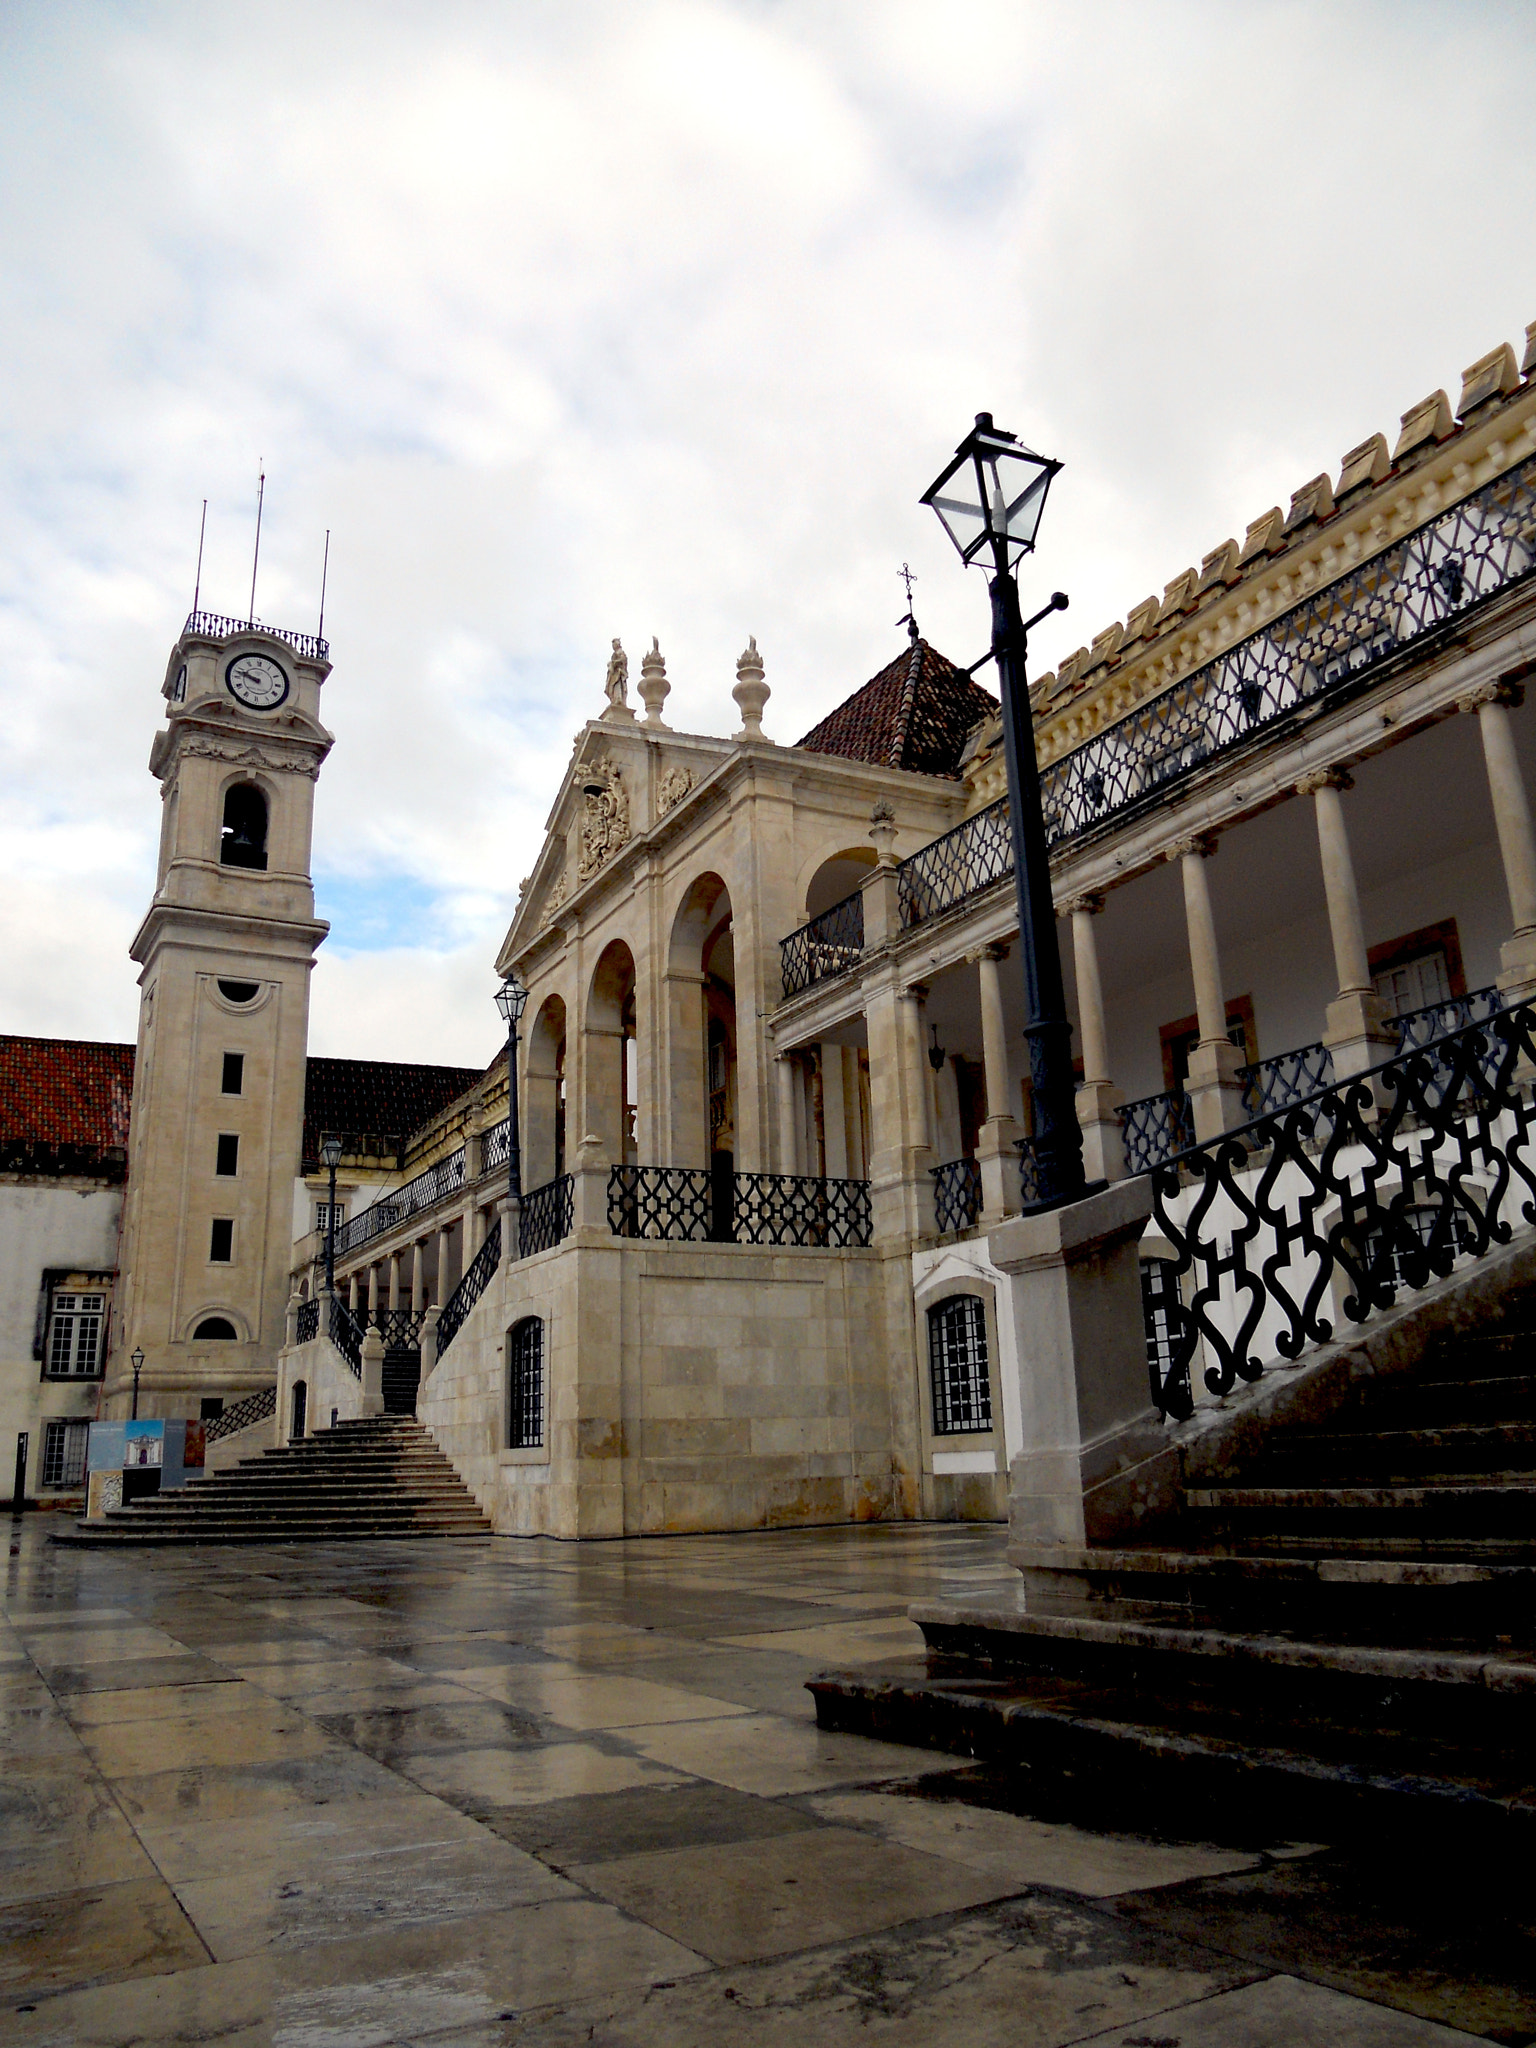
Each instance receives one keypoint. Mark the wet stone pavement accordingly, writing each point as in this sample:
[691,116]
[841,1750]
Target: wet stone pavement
[495,1791]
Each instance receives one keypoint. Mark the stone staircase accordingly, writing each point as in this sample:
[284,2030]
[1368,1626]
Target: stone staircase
[1341,1628]
[381,1476]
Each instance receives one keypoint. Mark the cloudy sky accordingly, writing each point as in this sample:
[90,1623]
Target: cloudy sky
[573,320]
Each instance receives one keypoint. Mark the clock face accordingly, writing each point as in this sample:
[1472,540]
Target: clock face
[257,680]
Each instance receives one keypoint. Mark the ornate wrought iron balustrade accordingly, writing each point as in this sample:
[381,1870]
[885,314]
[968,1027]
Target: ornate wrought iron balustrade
[1288,1077]
[399,1327]
[546,1216]
[346,1333]
[1155,1128]
[477,1277]
[1422,1027]
[1327,646]
[422,1193]
[496,1147]
[241,1414]
[956,1195]
[688,1204]
[962,863]
[307,1328]
[1362,1189]
[828,945]
[800,1209]
[217,627]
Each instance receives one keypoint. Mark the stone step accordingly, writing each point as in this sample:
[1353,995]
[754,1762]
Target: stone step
[1454,1447]
[1462,1506]
[1430,1403]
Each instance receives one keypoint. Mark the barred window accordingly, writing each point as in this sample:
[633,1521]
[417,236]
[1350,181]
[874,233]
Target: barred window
[1159,1288]
[1387,1248]
[957,1363]
[74,1336]
[64,1453]
[525,1352]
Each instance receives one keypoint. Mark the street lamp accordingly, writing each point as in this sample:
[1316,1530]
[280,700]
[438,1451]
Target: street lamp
[511,999]
[330,1153]
[136,1360]
[989,501]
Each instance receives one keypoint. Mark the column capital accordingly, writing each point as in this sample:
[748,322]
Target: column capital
[914,992]
[1324,778]
[1090,905]
[997,949]
[1202,843]
[1503,690]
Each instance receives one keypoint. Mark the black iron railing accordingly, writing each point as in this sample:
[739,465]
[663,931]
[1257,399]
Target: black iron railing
[1155,1128]
[960,864]
[399,1327]
[1271,1084]
[241,1414]
[690,1204]
[424,1192]
[477,1277]
[546,1216]
[1326,647]
[826,946]
[1422,1027]
[1372,1185]
[956,1195]
[496,1146]
[307,1328]
[346,1333]
[217,627]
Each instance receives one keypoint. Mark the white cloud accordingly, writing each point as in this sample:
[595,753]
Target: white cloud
[656,318]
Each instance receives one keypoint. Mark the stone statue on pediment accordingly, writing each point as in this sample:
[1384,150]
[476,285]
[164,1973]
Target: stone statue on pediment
[616,684]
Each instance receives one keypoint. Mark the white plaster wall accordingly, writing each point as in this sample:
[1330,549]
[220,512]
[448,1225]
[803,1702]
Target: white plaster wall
[44,1224]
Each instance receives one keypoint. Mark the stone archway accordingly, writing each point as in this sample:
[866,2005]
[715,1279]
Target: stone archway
[610,1066]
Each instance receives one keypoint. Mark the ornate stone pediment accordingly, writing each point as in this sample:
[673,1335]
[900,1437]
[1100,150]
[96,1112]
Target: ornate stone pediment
[605,816]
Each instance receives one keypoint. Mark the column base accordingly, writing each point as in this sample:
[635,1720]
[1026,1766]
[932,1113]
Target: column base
[998,1157]
[1356,1034]
[901,1195]
[1215,1093]
[1098,1117]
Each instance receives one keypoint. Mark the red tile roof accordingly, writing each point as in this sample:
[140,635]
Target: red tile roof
[64,1107]
[376,1099]
[916,714]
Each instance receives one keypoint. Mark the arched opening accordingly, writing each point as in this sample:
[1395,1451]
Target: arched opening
[544,1096]
[298,1415]
[243,840]
[837,878]
[701,1029]
[525,1385]
[217,1328]
[612,1067]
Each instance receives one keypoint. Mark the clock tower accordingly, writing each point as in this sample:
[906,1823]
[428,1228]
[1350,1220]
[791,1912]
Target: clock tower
[226,951]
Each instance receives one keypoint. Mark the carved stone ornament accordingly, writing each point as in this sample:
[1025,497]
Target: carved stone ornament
[241,754]
[674,786]
[605,819]
[616,685]
[557,894]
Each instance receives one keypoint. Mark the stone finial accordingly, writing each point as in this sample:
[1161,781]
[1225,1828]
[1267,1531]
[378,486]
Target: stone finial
[751,692]
[1364,465]
[1429,420]
[882,830]
[616,685]
[654,687]
[1528,360]
[1266,536]
[1313,501]
[1491,376]
[1217,568]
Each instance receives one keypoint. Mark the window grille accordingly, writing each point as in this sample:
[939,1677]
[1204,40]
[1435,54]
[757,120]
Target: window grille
[526,1407]
[1392,1254]
[1159,1287]
[74,1337]
[957,1362]
[64,1453]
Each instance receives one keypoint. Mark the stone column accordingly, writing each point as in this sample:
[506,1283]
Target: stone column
[440,1290]
[1098,1099]
[1215,1094]
[784,1075]
[901,1187]
[373,1290]
[834,1113]
[1354,1031]
[687,1104]
[1512,818]
[803,1159]
[352,1285]
[997,1152]
[853,1112]
[418,1276]
[394,1279]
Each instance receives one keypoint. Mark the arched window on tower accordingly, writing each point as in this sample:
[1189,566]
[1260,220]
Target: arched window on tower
[243,841]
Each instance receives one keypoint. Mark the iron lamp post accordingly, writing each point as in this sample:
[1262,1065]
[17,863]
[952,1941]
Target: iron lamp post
[511,1000]
[136,1360]
[330,1152]
[989,501]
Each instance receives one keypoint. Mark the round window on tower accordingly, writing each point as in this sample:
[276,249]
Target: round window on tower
[219,1327]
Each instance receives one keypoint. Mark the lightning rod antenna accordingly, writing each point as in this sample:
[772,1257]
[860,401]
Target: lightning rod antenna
[261,491]
[324,568]
[197,587]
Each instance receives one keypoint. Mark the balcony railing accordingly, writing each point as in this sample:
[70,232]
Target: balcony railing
[1325,648]
[1271,1084]
[424,1192]
[546,1216]
[496,1147]
[346,1333]
[217,627]
[956,1195]
[692,1205]
[828,945]
[1155,1128]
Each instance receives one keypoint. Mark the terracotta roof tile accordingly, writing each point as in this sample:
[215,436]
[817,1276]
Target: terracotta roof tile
[915,714]
[64,1106]
[375,1098]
